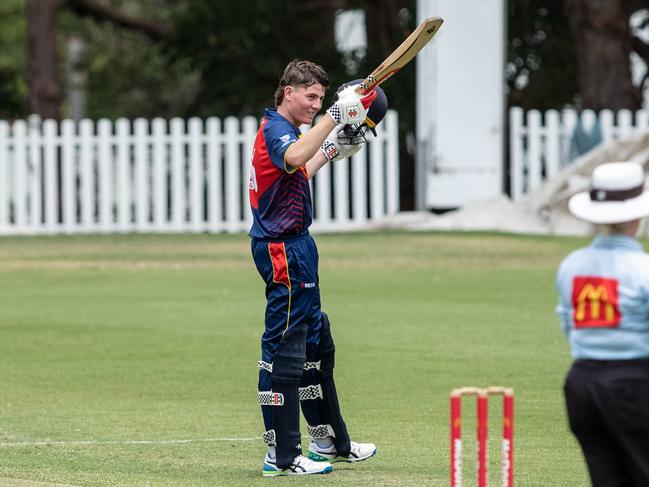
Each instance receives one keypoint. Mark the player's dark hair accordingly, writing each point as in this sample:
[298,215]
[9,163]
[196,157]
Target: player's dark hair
[300,73]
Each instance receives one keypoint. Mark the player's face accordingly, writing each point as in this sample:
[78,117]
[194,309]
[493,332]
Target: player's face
[303,104]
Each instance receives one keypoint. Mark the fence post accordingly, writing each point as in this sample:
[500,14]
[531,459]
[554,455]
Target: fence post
[160,172]
[214,180]
[359,187]
[392,162]
[68,175]
[641,121]
[35,168]
[249,131]
[20,174]
[232,174]
[4,178]
[323,194]
[141,189]
[534,163]
[178,194]
[552,151]
[196,187]
[606,119]
[87,175]
[377,177]
[105,174]
[568,124]
[516,163]
[123,187]
[624,123]
[341,191]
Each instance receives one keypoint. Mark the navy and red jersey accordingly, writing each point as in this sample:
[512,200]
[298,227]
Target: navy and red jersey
[280,196]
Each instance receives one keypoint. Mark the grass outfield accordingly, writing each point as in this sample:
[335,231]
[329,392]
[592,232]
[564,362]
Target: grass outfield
[132,360]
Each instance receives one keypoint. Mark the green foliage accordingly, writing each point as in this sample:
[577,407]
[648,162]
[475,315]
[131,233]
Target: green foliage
[128,75]
[226,58]
[240,52]
[13,38]
[541,57]
[401,88]
[12,100]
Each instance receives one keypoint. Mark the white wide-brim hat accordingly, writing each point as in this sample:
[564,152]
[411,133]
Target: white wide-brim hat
[616,195]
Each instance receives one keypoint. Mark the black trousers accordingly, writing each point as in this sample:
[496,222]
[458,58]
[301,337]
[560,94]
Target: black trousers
[608,410]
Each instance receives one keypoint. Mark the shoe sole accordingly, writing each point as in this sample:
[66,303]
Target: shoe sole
[319,458]
[284,473]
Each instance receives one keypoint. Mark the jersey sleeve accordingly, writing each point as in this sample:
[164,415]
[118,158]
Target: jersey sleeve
[279,137]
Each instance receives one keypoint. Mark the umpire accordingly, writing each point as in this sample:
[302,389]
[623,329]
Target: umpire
[604,309]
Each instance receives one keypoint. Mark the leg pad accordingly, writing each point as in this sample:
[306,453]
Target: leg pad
[321,431]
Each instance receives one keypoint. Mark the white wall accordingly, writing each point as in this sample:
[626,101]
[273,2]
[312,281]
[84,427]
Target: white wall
[460,103]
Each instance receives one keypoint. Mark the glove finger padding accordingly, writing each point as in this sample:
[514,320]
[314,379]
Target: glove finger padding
[351,107]
[337,145]
[347,151]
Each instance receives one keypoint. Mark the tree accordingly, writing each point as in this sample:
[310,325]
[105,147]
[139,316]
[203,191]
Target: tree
[541,58]
[575,53]
[240,52]
[13,89]
[43,60]
[604,44]
[44,80]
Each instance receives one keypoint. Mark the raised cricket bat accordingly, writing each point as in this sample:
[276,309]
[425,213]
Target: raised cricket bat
[402,54]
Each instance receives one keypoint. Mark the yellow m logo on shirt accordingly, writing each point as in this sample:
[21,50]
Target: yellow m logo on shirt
[597,297]
[595,302]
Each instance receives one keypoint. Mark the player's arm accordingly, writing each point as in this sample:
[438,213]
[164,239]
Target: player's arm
[350,108]
[304,148]
[316,163]
[337,146]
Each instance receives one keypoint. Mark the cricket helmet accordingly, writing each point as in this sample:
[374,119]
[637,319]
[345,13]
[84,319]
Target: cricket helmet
[375,113]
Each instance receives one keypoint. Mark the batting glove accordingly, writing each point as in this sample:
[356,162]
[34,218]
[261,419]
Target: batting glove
[333,147]
[351,107]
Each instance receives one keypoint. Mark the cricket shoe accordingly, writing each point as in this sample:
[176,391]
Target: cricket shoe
[301,466]
[357,453]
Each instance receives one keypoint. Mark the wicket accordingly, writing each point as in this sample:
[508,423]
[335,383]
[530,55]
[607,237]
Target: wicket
[482,405]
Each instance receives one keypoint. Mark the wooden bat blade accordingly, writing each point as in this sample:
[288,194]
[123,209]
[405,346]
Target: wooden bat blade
[403,54]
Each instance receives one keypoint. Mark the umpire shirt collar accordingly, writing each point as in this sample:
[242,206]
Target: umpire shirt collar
[617,241]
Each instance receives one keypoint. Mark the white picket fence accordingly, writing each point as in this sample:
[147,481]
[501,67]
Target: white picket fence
[169,176]
[540,142]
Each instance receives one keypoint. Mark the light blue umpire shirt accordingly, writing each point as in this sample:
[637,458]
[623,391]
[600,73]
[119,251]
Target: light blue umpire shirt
[604,299]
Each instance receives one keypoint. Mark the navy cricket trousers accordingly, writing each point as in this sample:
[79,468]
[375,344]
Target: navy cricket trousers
[293,320]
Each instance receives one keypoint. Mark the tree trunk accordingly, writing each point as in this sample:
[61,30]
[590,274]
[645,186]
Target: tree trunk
[601,33]
[43,58]
[75,77]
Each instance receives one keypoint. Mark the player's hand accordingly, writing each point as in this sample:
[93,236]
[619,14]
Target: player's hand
[333,147]
[351,107]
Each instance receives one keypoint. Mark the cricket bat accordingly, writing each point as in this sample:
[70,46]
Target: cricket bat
[402,55]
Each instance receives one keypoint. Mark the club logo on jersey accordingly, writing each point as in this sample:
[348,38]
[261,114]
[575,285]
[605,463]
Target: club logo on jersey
[595,302]
[286,139]
[352,112]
